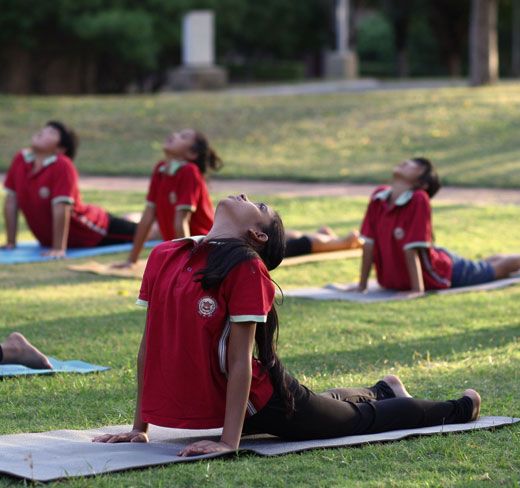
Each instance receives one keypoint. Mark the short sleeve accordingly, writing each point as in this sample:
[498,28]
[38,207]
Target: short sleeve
[419,230]
[145,290]
[65,184]
[189,186]
[151,197]
[10,179]
[249,292]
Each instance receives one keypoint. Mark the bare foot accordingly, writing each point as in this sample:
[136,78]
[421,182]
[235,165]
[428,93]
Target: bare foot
[353,240]
[326,230]
[18,350]
[397,386]
[475,398]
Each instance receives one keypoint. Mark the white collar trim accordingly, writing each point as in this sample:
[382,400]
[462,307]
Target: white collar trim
[402,199]
[171,167]
[29,157]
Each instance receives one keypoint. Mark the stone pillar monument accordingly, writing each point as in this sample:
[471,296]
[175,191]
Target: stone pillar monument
[342,63]
[198,71]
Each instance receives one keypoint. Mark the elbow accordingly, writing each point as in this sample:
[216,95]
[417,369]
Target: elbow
[239,367]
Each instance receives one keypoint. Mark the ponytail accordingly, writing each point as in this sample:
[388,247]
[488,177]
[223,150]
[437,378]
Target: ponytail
[207,158]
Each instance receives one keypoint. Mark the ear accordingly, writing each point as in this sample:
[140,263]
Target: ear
[257,236]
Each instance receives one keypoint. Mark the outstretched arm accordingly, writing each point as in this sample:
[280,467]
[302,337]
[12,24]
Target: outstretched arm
[413,264]
[141,234]
[240,351]
[182,223]
[139,432]
[11,219]
[60,229]
[366,265]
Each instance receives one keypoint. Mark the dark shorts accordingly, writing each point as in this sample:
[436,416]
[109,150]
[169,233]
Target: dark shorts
[466,272]
[119,231]
[298,247]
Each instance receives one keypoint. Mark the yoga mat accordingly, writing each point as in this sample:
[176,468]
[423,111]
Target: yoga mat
[58,366]
[30,252]
[375,293]
[106,269]
[68,453]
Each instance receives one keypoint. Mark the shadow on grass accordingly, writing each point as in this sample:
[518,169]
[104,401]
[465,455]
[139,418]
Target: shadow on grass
[407,352]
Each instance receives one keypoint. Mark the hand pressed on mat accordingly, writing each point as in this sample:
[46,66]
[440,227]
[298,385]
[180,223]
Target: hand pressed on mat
[205,447]
[132,436]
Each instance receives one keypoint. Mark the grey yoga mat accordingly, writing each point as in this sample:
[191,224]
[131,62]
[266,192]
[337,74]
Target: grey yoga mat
[375,293]
[69,453]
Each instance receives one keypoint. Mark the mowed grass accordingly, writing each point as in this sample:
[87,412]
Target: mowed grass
[439,345]
[471,134]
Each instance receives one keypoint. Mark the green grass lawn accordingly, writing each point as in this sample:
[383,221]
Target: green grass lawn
[439,345]
[472,134]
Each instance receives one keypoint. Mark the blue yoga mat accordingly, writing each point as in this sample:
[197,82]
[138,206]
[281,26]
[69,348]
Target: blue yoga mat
[30,252]
[58,366]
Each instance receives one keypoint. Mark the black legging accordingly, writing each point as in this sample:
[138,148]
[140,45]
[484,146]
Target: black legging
[120,231]
[352,411]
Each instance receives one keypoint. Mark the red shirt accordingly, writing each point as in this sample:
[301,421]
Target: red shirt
[56,182]
[405,225]
[180,185]
[187,329]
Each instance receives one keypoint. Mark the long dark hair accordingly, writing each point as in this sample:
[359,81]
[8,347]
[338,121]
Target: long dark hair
[223,256]
[429,180]
[207,158]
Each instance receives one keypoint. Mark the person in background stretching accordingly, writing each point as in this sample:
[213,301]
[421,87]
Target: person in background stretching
[178,196]
[42,182]
[398,234]
[16,349]
[209,305]
[323,240]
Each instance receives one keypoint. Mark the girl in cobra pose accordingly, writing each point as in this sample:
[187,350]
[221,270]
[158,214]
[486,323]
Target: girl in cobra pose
[207,375]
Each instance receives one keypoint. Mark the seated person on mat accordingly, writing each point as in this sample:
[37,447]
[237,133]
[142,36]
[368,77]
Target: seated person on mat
[178,196]
[16,349]
[323,240]
[42,182]
[210,303]
[397,230]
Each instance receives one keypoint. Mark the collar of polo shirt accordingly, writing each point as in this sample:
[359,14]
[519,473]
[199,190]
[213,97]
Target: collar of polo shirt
[29,157]
[195,239]
[171,167]
[403,199]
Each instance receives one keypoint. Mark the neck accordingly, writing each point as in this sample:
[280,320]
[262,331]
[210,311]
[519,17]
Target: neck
[170,156]
[400,186]
[222,231]
[39,158]
[41,155]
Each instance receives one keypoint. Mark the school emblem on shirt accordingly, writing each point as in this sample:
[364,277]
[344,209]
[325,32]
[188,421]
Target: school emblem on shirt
[207,306]
[172,197]
[398,233]
[44,192]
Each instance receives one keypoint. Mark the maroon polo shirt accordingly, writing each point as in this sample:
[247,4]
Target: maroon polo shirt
[187,332]
[180,185]
[55,182]
[405,225]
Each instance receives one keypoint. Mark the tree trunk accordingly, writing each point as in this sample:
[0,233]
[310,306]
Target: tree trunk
[483,54]
[454,65]
[515,61]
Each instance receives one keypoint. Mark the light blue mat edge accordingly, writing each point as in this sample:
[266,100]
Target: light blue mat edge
[30,252]
[72,366]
